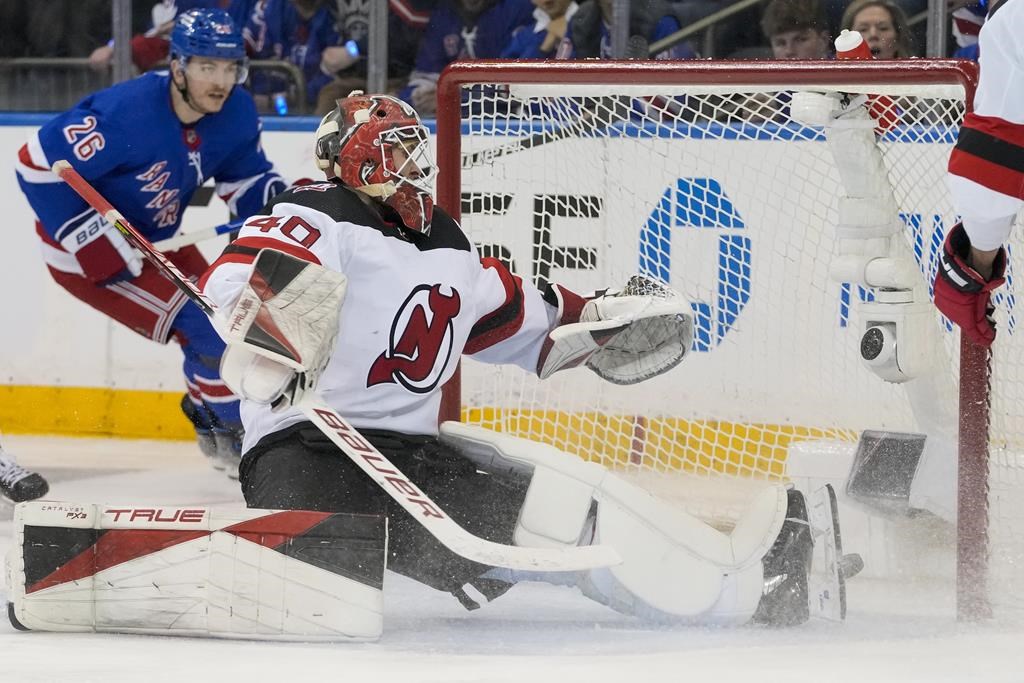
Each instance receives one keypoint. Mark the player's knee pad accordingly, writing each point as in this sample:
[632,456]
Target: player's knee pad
[253,574]
[675,567]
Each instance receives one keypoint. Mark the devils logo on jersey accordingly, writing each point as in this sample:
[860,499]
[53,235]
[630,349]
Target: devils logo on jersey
[422,337]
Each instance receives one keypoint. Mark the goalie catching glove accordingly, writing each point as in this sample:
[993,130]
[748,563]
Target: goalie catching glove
[282,330]
[624,336]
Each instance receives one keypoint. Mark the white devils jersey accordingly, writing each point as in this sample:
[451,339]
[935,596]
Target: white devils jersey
[986,175]
[415,303]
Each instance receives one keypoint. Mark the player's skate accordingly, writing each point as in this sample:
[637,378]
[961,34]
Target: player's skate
[202,423]
[18,484]
[803,572]
[223,447]
[229,450]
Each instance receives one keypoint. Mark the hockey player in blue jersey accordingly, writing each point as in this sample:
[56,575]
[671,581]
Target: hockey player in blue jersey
[147,144]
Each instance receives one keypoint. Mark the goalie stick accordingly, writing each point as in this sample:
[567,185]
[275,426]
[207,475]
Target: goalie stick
[355,446]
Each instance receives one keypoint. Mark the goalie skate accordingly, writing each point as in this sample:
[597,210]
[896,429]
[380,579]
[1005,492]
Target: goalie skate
[826,582]
[805,572]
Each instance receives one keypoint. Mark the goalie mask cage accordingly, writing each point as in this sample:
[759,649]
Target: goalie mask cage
[695,173]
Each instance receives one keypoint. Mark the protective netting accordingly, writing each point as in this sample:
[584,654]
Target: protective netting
[716,190]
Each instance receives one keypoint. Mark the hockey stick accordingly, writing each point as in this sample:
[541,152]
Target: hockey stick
[355,446]
[189,238]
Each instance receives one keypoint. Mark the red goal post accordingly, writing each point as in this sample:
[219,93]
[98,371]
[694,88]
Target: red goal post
[503,126]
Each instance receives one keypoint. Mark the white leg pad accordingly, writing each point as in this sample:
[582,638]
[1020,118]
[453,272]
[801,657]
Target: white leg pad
[252,574]
[674,566]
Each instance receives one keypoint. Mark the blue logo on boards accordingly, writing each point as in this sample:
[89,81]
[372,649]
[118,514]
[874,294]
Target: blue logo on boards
[701,204]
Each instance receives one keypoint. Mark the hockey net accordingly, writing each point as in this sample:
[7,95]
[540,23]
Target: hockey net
[697,174]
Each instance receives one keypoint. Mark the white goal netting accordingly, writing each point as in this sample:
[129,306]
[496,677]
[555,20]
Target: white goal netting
[710,185]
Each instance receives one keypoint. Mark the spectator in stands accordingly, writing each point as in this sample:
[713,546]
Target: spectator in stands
[883,25]
[150,47]
[407,21]
[297,31]
[967,23]
[461,29]
[541,40]
[796,29]
[589,33]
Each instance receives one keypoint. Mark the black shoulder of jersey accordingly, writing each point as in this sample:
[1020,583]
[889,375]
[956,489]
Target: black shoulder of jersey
[342,203]
[445,233]
[337,201]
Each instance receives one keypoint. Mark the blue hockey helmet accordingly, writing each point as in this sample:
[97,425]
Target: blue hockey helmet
[206,33]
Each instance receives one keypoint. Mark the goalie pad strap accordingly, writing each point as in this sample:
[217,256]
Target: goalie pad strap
[257,574]
[568,303]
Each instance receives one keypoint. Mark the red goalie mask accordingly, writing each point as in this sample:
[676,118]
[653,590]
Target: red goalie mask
[377,144]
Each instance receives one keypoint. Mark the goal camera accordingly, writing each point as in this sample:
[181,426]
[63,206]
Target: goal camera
[898,340]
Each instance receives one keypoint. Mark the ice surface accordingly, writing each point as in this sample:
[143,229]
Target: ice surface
[532,634]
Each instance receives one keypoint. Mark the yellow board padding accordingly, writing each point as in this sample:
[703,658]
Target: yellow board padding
[93,411]
[660,443]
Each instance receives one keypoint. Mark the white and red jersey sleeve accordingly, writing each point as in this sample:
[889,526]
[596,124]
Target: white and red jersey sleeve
[986,168]
[515,319]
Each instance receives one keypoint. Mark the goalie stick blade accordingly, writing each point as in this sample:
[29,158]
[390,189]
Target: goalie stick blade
[434,519]
[581,558]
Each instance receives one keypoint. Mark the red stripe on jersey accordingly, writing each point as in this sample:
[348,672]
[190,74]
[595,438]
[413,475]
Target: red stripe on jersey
[504,321]
[215,390]
[224,258]
[997,128]
[26,158]
[989,174]
[270,243]
[255,244]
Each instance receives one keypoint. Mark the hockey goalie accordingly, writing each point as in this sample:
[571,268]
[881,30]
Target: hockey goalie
[358,291]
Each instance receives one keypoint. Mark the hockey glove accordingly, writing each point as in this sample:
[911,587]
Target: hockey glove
[624,336]
[961,293]
[102,252]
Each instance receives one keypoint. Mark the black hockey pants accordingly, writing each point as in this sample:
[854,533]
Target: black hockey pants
[298,468]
